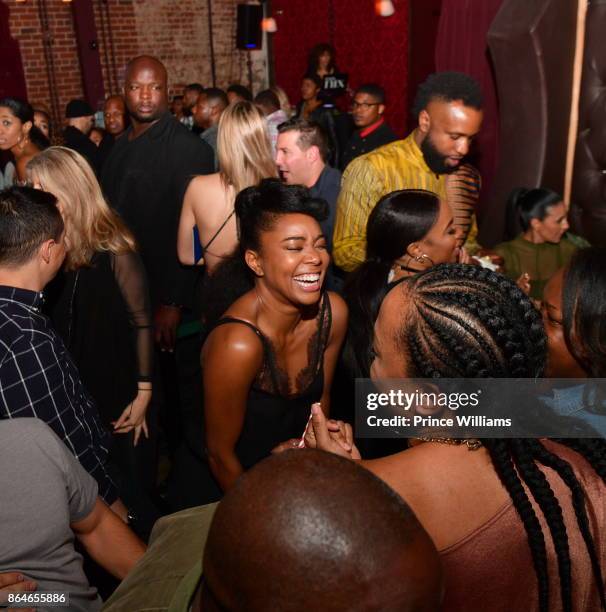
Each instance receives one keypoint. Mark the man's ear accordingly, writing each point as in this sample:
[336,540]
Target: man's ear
[46,249]
[424,121]
[253,261]
[312,154]
[381,109]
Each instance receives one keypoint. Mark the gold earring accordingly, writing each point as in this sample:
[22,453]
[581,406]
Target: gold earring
[424,259]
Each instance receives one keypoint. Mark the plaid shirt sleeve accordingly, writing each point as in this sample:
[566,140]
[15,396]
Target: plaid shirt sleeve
[35,382]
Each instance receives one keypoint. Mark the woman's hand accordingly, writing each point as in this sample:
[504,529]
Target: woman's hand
[133,416]
[464,257]
[332,436]
[523,283]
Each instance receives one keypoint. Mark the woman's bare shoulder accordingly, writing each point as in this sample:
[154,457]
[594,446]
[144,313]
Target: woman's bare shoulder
[206,183]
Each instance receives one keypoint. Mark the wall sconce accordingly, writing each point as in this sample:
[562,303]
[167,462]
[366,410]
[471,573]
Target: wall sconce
[384,8]
[269,25]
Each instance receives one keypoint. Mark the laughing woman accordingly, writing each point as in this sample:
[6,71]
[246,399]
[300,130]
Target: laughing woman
[281,339]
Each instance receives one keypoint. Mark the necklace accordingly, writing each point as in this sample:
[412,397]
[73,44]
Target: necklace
[471,443]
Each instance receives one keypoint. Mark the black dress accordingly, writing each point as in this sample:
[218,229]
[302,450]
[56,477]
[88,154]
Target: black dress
[273,415]
[102,312]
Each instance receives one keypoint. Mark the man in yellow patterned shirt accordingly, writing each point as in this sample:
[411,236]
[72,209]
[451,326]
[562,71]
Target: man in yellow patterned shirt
[449,110]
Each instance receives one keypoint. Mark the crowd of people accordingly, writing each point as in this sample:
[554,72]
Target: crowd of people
[188,292]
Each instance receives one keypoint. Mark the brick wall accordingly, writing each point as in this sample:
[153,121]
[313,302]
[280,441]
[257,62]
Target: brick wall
[176,32]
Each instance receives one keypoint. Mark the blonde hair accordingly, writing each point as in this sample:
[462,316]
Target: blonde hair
[243,146]
[90,224]
[283,99]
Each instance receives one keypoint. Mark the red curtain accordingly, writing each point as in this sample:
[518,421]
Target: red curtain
[369,48]
[461,46]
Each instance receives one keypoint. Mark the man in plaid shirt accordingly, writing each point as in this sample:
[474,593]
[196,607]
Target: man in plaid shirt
[37,375]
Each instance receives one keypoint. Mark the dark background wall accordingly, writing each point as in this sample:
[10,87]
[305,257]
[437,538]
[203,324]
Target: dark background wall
[370,48]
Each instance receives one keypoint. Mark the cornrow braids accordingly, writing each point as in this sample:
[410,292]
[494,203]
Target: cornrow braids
[504,466]
[465,321]
[543,494]
[564,470]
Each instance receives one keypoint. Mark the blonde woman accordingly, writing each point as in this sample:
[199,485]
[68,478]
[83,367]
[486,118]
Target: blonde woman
[284,101]
[207,229]
[100,305]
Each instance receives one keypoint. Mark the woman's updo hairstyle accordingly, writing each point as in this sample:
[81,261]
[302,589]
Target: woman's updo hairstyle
[25,112]
[257,209]
[524,205]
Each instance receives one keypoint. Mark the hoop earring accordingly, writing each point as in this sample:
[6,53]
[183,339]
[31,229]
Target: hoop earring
[423,259]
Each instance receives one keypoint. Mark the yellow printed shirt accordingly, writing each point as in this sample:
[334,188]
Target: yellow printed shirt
[398,165]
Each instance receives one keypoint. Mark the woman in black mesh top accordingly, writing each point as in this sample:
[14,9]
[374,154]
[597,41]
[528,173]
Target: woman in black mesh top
[100,306]
[274,351]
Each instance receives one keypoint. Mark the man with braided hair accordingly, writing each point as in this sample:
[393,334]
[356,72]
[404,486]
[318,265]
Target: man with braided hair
[519,523]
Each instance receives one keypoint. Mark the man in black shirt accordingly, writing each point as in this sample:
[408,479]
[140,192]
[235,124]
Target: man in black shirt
[80,121]
[145,179]
[372,132]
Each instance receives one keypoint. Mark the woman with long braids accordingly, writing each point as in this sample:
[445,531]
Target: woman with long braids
[519,523]
[408,231]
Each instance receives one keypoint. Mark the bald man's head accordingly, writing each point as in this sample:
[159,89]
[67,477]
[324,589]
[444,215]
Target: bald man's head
[145,89]
[114,113]
[309,530]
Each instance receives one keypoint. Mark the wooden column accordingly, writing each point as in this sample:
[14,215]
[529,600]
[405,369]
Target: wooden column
[88,51]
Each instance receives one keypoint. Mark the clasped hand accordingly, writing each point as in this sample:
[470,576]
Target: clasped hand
[326,434]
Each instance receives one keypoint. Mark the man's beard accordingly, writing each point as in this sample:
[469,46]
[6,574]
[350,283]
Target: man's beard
[145,118]
[435,161]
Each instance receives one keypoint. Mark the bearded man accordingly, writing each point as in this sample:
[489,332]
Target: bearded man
[448,107]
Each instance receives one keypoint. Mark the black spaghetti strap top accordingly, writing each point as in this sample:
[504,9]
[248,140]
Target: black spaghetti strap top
[275,413]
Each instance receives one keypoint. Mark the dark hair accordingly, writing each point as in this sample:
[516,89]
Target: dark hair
[311,134]
[313,61]
[177,98]
[28,217]
[399,219]
[214,94]
[241,91]
[465,321]
[268,99]
[42,112]
[25,112]
[584,309]
[448,87]
[374,90]
[310,76]
[194,87]
[523,205]
[257,209]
